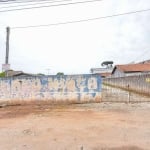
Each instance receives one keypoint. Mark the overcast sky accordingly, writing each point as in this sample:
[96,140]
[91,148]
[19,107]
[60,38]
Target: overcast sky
[75,48]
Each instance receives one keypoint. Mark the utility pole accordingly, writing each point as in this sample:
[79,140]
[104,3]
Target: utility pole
[7,44]
[6,66]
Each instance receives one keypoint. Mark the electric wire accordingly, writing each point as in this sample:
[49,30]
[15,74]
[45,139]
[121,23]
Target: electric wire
[63,4]
[17,2]
[141,55]
[83,20]
[32,4]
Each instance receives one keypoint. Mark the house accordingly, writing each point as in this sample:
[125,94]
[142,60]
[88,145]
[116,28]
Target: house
[131,69]
[12,73]
[103,72]
[145,62]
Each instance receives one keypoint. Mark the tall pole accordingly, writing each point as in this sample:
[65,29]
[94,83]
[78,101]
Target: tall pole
[7,45]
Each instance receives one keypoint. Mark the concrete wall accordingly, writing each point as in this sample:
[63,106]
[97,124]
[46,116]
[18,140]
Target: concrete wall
[68,87]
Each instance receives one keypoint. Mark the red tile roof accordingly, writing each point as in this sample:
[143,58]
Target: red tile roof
[105,74]
[133,67]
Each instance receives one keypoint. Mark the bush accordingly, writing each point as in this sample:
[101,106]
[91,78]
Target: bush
[60,74]
[2,74]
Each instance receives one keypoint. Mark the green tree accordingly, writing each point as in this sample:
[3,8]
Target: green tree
[2,74]
[60,74]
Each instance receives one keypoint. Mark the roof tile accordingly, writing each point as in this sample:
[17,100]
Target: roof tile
[134,67]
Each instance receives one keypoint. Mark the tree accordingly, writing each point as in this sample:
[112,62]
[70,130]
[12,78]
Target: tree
[108,64]
[41,74]
[60,74]
[2,74]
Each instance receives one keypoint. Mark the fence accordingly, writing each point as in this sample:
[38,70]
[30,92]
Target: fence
[68,87]
[130,88]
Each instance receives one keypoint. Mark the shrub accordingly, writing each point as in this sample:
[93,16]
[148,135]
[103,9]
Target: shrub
[2,74]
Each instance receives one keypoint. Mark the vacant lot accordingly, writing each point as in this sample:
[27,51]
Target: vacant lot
[99,126]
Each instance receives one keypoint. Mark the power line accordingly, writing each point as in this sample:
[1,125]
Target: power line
[63,4]
[84,20]
[17,2]
[140,56]
[35,3]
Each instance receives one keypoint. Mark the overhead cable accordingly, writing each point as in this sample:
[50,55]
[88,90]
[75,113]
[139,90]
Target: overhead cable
[17,2]
[141,55]
[35,3]
[83,20]
[63,4]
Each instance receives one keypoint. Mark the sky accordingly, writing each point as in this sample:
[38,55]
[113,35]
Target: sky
[76,48]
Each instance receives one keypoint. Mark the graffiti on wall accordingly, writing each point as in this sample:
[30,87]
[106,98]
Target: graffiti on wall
[68,87]
[147,80]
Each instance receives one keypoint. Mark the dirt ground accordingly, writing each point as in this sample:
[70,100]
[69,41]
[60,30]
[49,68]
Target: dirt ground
[94,126]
